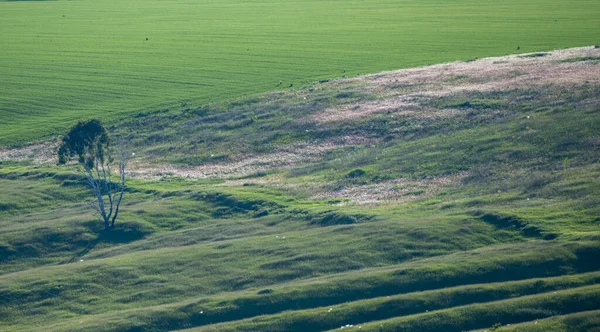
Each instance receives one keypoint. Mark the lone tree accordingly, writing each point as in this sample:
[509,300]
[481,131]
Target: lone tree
[89,142]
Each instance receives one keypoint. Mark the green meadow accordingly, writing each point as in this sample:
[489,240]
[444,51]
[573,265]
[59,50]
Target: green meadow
[61,61]
[274,187]
[481,215]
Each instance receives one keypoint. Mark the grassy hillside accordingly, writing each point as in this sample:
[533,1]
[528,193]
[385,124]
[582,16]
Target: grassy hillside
[453,197]
[64,60]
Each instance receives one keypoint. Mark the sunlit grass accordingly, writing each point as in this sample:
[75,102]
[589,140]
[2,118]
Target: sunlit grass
[62,61]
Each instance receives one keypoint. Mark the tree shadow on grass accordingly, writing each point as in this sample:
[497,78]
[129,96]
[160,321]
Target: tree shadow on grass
[124,232]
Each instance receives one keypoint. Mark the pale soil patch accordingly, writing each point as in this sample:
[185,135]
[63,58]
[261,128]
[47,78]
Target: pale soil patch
[284,157]
[397,106]
[37,153]
[501,72]
[364,109]
[402,90]
[398,190]
[243,165]
[273,180]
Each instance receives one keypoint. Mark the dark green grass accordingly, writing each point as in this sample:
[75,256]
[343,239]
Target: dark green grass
[64,60]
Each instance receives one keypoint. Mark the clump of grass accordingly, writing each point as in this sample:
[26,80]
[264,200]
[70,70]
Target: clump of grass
[535,55]
[479,104]
[344,94]
[356,173]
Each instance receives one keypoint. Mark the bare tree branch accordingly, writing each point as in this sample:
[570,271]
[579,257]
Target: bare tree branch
[122,165]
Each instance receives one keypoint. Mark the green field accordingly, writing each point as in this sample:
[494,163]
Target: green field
[476,209]
[273,187]
[64,60]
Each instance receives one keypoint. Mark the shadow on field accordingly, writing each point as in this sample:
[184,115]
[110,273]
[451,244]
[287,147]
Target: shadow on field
[459,270]
[515,223]
[123,232]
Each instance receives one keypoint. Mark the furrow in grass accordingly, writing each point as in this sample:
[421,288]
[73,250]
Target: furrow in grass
[481,315]
[221,309]
[148,279]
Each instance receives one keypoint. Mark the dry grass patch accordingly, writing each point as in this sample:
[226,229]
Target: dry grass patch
[394,191]
[404,92]
[40,153]
[285,157]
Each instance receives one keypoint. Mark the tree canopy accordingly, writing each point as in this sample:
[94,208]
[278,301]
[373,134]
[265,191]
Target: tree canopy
[88,140]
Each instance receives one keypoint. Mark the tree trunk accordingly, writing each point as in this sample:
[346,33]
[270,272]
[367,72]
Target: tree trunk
[99,179]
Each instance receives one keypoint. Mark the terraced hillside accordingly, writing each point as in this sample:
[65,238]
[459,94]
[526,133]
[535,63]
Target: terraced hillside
[460,196]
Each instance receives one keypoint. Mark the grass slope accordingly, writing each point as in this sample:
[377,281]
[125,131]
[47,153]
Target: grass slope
[337,204]
[62,60]
[510,311]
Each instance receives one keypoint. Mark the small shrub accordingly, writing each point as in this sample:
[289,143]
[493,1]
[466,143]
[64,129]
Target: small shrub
[478,104]
[7,206]
[261,213]
[344,94]
[535,55]
[334,219]
[356,173]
